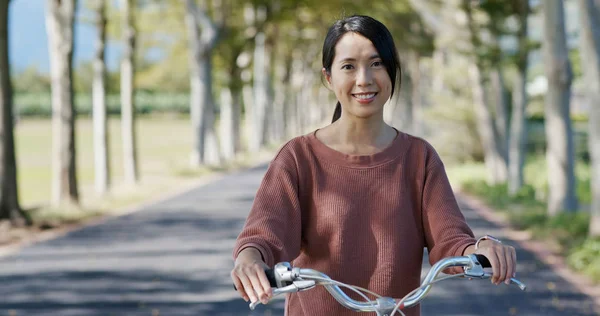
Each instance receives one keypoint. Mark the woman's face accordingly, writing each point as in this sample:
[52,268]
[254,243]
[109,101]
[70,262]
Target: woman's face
[358,77]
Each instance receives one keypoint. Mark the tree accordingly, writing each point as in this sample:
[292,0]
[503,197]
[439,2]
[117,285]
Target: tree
[101,153]
[203,34]
[559,134]
[518,123]
[127,92]
[490,132]
[590,55]
[262,82]
[9,198]
[60,16]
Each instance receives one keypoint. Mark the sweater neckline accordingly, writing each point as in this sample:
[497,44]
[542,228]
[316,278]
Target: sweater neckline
[392,151]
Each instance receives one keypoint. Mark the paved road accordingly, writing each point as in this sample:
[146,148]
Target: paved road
[174,259]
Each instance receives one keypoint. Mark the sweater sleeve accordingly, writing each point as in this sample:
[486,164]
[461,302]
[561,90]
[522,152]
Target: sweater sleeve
[446,231]
[273,225]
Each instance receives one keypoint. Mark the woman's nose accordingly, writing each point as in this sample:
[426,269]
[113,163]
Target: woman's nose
[365,77]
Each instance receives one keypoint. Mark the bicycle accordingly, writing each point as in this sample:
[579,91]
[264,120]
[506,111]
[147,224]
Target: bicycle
[285,279]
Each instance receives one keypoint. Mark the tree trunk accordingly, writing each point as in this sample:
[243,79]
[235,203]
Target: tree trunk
[212,155]
[494,160]
[130,163]
[297,81]
[248,101]
[261,85]
[559,135]
[60,17]
[280,100]
[439,63]
[402,111]
[236,95]
[501,103]
[518,133]
[227,123]
[518,128]
[495,153]
[9,197]
[202,42]
[590,56]
[230,118]
[101,152]
[417,103]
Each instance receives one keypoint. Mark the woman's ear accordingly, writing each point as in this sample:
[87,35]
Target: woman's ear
[327,76]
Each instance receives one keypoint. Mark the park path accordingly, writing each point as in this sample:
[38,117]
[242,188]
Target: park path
[174,258]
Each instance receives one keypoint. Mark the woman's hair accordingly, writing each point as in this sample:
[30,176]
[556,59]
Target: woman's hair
[376,32]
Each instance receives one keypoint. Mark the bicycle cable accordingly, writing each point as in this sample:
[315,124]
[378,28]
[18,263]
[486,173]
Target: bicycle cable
[401,302]
[351,287]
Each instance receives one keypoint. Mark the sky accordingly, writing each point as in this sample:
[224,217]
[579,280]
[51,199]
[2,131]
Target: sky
[29,45]
[29,41]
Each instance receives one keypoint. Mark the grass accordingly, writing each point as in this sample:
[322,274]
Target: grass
[566,233]
[164,147]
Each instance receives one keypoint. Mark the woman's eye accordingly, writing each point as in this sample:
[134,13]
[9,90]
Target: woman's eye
[377,64]
[347,67]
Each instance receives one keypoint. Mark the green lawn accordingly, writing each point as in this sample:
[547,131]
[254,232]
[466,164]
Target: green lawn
[164,145]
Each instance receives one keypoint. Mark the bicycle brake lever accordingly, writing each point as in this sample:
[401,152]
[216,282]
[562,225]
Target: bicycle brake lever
[475,273]
[296,286]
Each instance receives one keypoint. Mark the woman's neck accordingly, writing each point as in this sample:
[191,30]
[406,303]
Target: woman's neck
[359,136]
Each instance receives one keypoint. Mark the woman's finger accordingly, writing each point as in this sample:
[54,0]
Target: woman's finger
[502,254]
[493,258]
[239,286]
[248,288]
[510,264]
[513,253]
[256,283]
[266,285]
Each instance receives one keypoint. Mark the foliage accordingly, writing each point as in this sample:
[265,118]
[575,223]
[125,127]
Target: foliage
[586,258]
[567,231]
[30,80]
[39,105]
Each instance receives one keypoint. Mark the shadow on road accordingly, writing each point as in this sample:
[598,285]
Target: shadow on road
[174,258]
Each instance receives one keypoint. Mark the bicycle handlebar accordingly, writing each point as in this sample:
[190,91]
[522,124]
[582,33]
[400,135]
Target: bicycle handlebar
[285,279]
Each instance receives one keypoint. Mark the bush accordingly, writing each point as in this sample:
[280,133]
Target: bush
[584,191]
[40,105]
[495,195]
[586,258]
[527,218]
[569,229]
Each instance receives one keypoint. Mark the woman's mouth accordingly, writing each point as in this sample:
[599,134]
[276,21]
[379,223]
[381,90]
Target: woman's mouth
[365,97]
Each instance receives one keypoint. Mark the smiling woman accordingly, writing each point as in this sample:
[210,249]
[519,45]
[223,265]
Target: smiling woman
[356,199]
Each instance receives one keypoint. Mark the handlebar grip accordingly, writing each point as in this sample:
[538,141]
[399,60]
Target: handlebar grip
[270,276]
[483,260]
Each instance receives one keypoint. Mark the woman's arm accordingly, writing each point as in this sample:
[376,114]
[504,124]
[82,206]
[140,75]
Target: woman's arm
[271,234]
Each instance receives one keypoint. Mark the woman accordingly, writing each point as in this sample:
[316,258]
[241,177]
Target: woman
[357,199]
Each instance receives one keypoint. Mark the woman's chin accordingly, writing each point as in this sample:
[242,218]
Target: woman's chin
[368,112]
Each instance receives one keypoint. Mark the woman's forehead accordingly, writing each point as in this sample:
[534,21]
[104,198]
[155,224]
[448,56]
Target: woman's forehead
[353,46]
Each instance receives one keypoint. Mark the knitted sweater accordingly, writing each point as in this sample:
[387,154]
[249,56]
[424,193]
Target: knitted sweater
[361,219]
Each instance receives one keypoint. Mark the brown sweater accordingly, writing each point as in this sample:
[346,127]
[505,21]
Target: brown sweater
[362,220]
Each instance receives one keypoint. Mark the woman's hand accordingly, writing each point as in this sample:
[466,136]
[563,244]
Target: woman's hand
[503,259]
[249,276]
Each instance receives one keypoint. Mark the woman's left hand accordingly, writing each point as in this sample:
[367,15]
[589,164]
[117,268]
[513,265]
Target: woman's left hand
[503,259]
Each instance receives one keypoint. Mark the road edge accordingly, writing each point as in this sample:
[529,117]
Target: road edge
[7,250]
[538,248]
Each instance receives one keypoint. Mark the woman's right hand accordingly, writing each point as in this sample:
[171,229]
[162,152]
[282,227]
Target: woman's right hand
[249,276]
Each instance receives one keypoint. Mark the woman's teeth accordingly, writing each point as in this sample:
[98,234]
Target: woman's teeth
[364,96]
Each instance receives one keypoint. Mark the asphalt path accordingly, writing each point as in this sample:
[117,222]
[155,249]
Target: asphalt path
[174,258]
